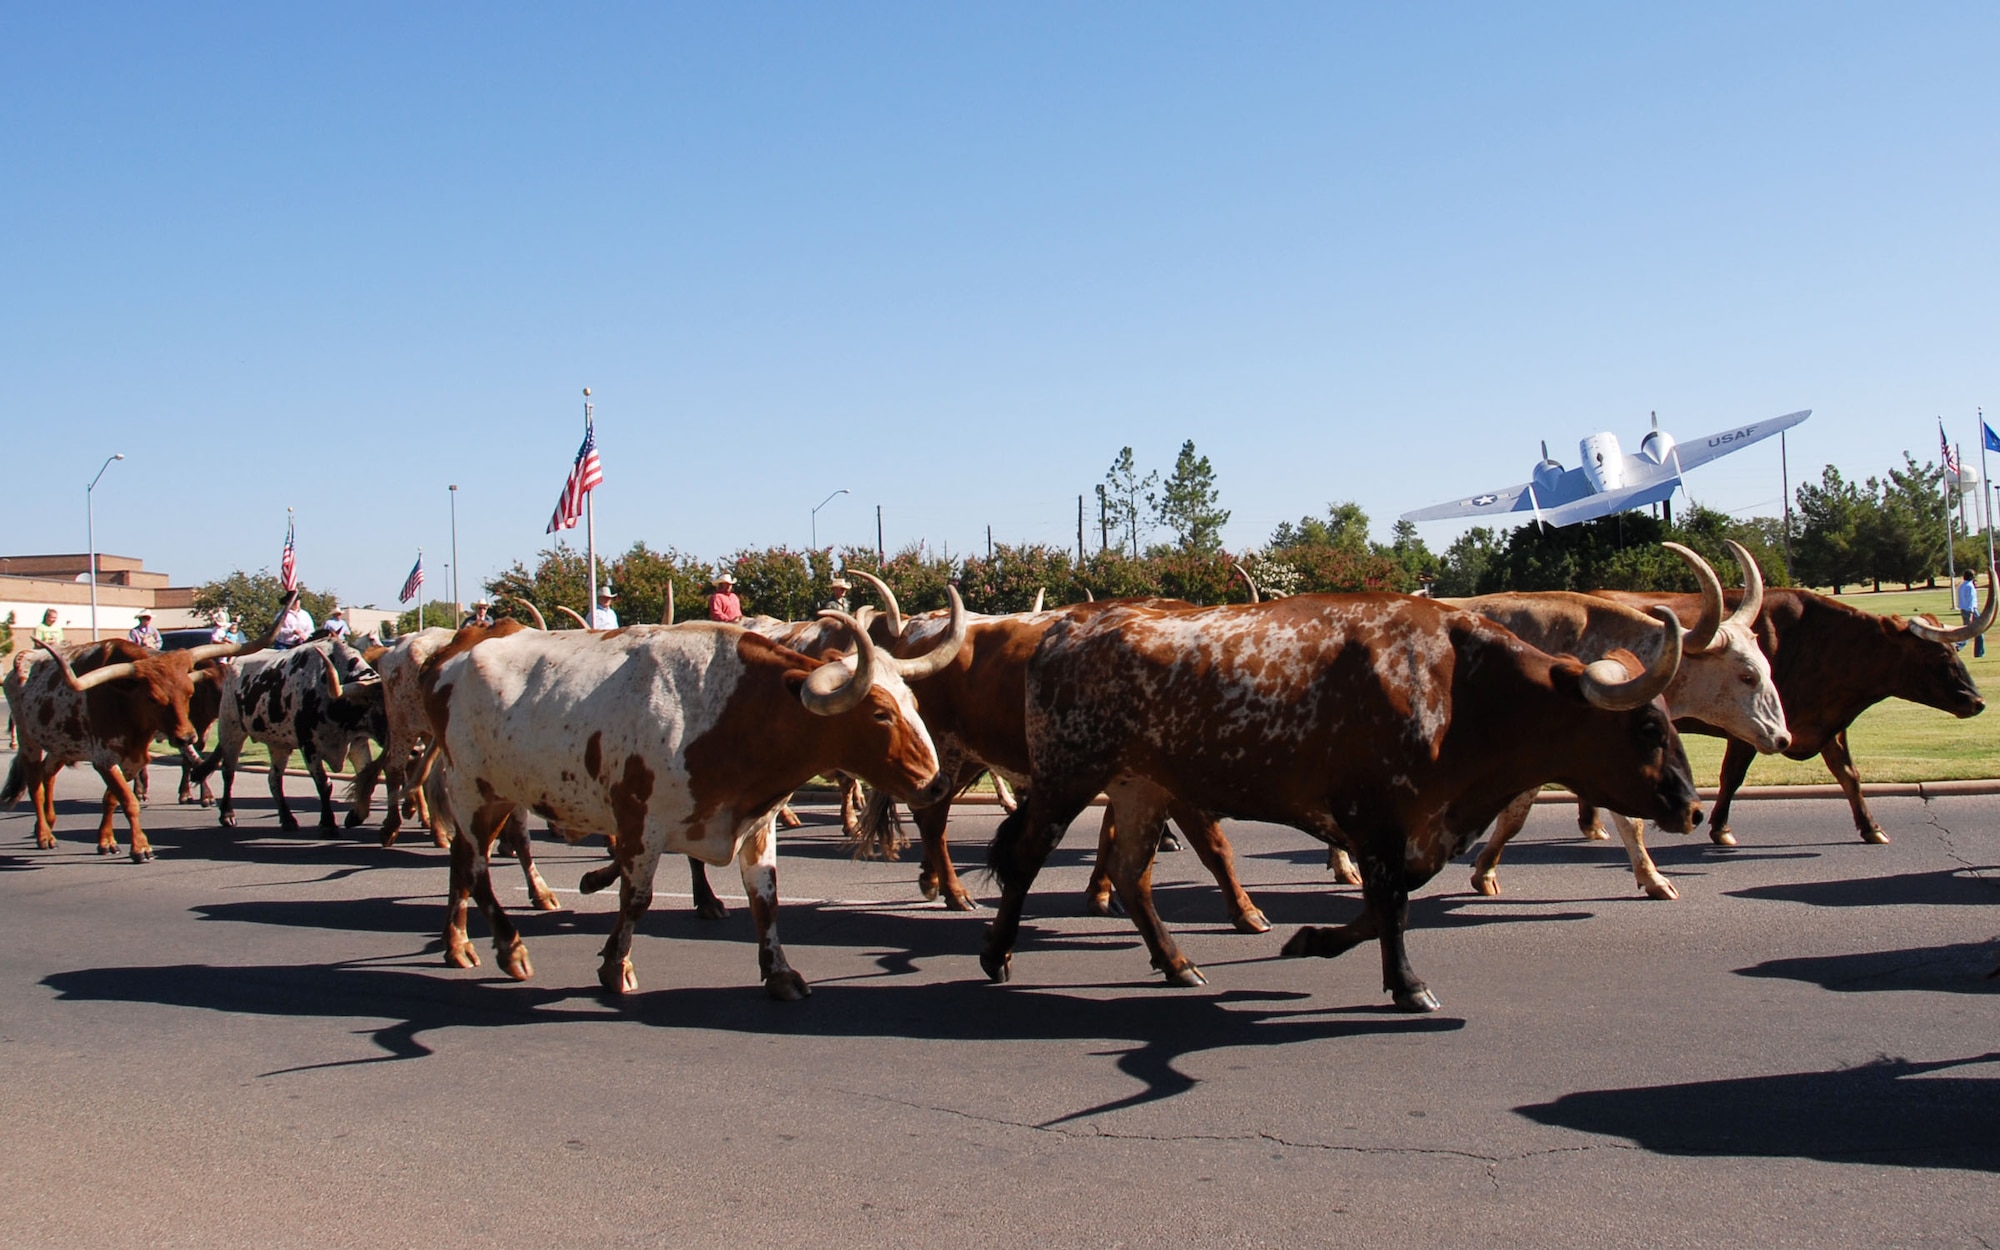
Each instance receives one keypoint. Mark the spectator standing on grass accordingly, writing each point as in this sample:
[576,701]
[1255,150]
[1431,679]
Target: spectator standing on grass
[144,634]
[48,631]
[1968,611]
[723,605]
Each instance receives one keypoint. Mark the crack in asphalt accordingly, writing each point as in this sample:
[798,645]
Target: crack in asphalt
[1492,1161]
[1950,844]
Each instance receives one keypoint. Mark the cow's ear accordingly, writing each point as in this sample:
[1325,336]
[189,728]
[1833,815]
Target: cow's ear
[795,681]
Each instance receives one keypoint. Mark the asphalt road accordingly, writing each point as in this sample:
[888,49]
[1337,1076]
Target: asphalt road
[253,1041]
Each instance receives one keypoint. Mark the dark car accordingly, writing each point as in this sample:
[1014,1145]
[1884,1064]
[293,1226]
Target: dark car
[182,639]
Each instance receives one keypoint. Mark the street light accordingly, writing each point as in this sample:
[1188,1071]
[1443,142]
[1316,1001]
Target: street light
[90,530]
[457,608]
[815,514]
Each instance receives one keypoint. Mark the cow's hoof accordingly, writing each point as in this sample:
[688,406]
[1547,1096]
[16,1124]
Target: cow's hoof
[459,953]
[389,837]
[286,821]
[46,841]
[1873,834]
[1095,904]
[1486,883]
[107,848]
[1185,977]
[713,910]
[354,821]
[143,857]
[1596,834]
[1660,888]
[1720,835]
[1344,870]
[328,823]
[787,986]
[999,968]
[596,879]
[1170,842]
[1251,921]
[927,886]
[185,796]
[617,978]
[545,900]
[959,900]
[1417,1000]
[513,959]
[207,801]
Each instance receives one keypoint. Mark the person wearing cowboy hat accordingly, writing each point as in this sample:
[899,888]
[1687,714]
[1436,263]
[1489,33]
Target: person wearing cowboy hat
[294,626]
[144,634]
[838,603]
[478,614]
[723,605]
[601,616]
[336,624]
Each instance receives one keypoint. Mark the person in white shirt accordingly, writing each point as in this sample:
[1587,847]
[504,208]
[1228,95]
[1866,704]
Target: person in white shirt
[601,616]
[336,624]
[1968,610]
[294,627]
[144,634]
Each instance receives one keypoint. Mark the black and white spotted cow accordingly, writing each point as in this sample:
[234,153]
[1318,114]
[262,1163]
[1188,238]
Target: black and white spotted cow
[323,699]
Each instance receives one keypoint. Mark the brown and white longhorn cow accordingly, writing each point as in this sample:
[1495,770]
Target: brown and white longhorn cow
[683,739]
[1724,680]
[104,703]
[1393,726]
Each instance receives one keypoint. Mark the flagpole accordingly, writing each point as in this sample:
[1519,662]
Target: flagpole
[420,592]
[1985,489]
[589,520]
[1950,561]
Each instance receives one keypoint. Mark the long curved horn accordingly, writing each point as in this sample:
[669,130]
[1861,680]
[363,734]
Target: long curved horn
[533,612]
[934,660]
[667,612]
[1606,684]
[1245,575]
[96,677]
[332,675]
[1746,612]
[890,610]
[1041,597]
[215,650]
[1963,633]
[1702,636]
[829,691]
[1087,596]
[580,622]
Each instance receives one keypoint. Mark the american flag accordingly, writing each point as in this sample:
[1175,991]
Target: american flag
[413,581]
[288,566]
[1950,460]
[584,476]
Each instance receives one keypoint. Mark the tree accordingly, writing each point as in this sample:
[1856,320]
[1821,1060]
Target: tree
[1407,548]
[1123,488]
[559,577]
[1826,551]
[1345,527]
[1189,504]
[437,614]
[1466,562]
[256,599]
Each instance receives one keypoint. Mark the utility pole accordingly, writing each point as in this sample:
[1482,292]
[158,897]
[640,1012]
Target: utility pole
[457,604]
[989,544]
[90,534]
[881,553]
[1785,479]
[1103,521]
[1080,557]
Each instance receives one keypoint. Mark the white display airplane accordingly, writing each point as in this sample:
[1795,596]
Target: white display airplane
[1608,481]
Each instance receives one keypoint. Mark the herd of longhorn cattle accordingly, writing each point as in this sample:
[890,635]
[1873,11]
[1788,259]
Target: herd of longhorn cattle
[1395,729]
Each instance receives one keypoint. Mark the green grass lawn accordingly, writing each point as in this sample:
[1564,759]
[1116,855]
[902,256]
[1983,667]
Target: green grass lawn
[1894,740]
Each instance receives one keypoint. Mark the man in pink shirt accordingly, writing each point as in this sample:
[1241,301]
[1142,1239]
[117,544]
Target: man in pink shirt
[723,605]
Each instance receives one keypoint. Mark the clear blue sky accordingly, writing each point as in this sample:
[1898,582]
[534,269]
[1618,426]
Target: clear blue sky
[952,257]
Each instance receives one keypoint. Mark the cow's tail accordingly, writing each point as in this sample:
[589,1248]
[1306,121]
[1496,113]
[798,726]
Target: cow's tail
[1002,854]
[878,832]
[366,780]
[17,781]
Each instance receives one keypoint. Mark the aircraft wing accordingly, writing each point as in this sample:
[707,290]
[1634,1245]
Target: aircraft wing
[1702,450]
[1569,487]
[1591,507]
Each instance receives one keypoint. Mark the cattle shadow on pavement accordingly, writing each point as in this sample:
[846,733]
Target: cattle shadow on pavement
[1946,887]
[1960,968]
[1198,902]
[1162,1029]
[1889,1112]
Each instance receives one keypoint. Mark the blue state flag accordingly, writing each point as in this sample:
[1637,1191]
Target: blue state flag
[1992,439]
